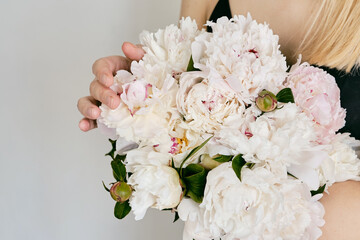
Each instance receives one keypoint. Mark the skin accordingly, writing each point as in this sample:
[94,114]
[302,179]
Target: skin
[104,70]
[288,19]
[342,212]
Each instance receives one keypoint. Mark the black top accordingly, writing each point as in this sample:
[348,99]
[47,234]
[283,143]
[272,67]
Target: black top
[221,9]
[349,83]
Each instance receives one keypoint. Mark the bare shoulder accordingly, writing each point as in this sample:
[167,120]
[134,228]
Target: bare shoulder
[342,212]
[196,9]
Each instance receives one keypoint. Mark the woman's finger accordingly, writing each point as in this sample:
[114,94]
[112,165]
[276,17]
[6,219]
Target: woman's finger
[133,52]
[105,68]
[86,124]
[88,107]
[104,94]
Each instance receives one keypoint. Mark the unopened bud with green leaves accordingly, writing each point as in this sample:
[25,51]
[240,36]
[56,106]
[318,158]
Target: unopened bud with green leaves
[266,101]
[120,191]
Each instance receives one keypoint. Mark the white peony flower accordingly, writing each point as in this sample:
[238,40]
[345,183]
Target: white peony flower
[168,50]
[261,206]
[301,216]
[108,132]
[155,184]
[206,102]
[122,145]
[284,139]
[192,215]
[146,156]
[246,54]
[343,163]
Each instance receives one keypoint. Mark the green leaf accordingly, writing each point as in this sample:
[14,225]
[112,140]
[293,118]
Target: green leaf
[106,188]
[193,152]
[122,209]
[120,157]
[195,181]
[321,189]
[237,163]
[119,170]
[190,66]
[285,96]
[176,217]
[113,149]
[223,158]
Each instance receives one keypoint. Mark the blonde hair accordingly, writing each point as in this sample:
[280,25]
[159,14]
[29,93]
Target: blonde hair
[333,37]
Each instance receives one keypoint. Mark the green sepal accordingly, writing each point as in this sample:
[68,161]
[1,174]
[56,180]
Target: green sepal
[119,170]
[223,158]
[237,164]
[250,165]
[285,96]
[106,188]
[321,189]
[113,149]
[167,209]
[193,152]
[121,210]
[176,217]
[195,181]
[174,167]
[190,66]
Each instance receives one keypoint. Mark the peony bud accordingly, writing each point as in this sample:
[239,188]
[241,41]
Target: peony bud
[120,191]
[266,101]
[207,162]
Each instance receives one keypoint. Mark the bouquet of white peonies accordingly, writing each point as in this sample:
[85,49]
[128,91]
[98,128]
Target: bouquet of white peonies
[216,128]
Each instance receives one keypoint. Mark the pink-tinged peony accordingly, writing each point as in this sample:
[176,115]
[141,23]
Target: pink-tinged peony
[317,93]
[135,94]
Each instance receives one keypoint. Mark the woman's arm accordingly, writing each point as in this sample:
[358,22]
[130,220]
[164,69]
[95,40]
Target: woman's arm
[342,211]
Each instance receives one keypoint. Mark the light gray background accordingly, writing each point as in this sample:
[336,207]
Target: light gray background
[51,172]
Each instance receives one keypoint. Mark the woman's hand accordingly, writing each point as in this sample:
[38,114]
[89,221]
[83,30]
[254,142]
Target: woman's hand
[104,70]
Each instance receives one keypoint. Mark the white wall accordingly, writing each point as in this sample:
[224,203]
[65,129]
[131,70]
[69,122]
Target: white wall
[51,172]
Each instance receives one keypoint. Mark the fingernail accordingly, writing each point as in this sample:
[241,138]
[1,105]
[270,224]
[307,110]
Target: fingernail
[104,79]
[110,101]
[93,112]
